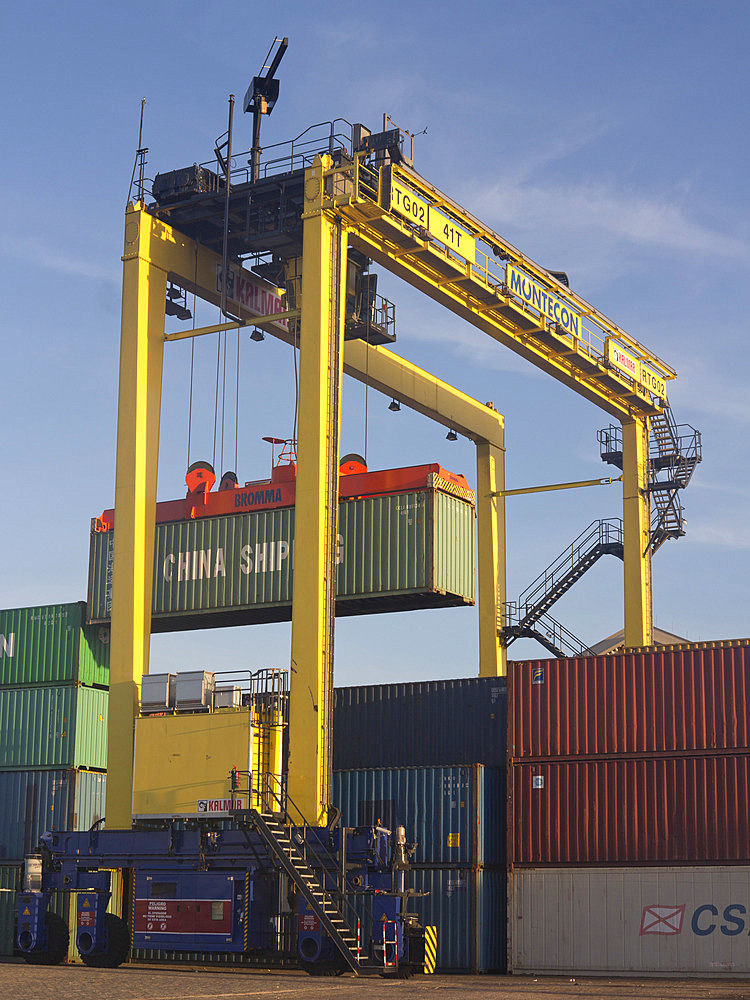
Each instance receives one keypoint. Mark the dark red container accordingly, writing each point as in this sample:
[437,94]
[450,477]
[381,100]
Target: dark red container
[675,698]
[664,810]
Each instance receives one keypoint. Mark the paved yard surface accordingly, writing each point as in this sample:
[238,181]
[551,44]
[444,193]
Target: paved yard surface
[21,982]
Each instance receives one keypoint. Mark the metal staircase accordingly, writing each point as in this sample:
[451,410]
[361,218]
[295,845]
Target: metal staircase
[311,870]
[527,617]
[547,631]
[674,452]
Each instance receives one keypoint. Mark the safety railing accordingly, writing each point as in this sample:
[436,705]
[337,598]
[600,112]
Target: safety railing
[572,561]
[489,268]
[319,858]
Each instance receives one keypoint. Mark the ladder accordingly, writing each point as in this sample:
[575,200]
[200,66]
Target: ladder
[528,616]
[549,633]
[307,867]
[674,452]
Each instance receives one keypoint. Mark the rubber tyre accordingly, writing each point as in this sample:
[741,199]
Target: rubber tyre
[321,968]
[402,972]
[119,945]
[58,938]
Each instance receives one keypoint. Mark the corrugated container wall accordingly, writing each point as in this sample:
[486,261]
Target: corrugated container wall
[398,552]
[52,645]
[456,815]
[37,801]
[9,875]
[53,727]
[683,921]
[671,699]
[421,724]
[667,810]
[469,910]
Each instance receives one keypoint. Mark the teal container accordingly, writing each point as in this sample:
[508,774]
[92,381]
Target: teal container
[9,876]
[454,814]
[36,802]
[396,553]
[53,727]
[52,644]
[468,907]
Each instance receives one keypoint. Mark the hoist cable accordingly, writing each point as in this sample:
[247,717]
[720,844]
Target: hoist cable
[192,362]
[237,409]
[216,390]
[223,400]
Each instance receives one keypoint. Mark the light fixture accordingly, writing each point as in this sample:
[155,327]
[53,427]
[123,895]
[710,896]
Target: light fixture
[257,335]
[176,303]
[451,435]
[394,405]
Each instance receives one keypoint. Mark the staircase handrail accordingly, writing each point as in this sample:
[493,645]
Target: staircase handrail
[600,532]
[326,865]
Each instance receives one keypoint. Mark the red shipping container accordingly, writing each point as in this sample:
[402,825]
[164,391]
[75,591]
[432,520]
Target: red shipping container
[674,698]
[664,810]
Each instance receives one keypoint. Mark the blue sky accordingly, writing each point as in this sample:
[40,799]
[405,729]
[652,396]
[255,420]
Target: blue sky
[607,139]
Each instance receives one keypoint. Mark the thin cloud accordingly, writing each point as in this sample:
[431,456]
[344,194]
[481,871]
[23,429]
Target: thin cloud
[727,535]
[32,251]
[627,216]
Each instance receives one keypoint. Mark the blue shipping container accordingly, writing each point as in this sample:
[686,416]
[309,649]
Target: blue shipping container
[469,910]
[456,815]
[36,801]
[461,721]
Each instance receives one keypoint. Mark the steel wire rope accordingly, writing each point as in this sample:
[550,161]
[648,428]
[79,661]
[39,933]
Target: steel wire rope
[295,347]
[216,390]
[367,373]
[192,361]
[223,400]
[237,408]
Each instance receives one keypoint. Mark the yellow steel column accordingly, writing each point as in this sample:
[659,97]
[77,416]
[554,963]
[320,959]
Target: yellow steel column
[493,657]
[316,505]
[636,511]
[139,403]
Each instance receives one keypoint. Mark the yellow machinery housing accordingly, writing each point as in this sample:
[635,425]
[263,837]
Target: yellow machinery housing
[183,762]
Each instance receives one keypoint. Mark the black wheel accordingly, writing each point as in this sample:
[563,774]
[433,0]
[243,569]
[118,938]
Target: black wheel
[402,972]
[58,939]
[118,945]
[322,968]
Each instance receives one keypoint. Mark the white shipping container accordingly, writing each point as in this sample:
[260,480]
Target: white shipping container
[617,921]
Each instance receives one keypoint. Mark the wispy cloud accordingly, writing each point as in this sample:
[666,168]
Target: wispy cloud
[726,534]
[621,214]
[34,252]
[716,392]
[469,345]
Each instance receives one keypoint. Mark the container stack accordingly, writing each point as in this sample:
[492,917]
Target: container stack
[54,674]
[430,757]
[629,812]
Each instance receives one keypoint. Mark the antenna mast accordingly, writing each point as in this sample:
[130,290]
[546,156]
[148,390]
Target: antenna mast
[260,98]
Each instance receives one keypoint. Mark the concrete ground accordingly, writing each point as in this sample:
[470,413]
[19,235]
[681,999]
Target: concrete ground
[70,982]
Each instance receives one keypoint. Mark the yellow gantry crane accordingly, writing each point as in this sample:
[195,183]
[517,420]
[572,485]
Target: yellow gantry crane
[373,202]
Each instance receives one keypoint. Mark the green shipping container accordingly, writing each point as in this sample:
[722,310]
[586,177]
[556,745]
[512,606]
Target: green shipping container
[395,553]
[53,727]
[52,645]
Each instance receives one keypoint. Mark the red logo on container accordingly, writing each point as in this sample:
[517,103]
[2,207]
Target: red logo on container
[662,919]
